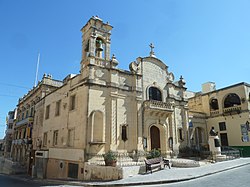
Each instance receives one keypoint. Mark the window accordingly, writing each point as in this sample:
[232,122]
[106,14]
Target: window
[214,104]
[55,138]
[155,94]
[58,106]
[47,112]
[72,102]
[45,137]
[71,137]
[27,114]
[124,132]
[180,131]
[32,112]
[231,100]
[222,126]
[24,133]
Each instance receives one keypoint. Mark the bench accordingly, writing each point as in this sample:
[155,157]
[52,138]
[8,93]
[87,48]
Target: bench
[153,163]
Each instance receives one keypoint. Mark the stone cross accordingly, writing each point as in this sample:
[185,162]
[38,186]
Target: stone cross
[152,49]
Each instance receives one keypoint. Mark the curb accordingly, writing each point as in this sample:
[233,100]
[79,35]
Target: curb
[78,183]
[167,181]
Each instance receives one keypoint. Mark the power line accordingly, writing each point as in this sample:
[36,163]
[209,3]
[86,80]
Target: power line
[13,85]
[3,95]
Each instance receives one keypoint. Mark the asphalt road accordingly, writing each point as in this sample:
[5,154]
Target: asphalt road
[9,181]
[239,177]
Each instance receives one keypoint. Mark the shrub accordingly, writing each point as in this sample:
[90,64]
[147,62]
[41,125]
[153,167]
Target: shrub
[154,153]
[110,156]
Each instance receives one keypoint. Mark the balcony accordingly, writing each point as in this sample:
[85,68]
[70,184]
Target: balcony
[8,131]
[214,112]
[25,121]
[232,110]
[10,121]
[22,141]
[158,105]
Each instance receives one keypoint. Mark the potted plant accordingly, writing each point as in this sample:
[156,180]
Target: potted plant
[110,158]
[154,153]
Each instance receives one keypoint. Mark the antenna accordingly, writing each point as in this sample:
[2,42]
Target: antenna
[37,67]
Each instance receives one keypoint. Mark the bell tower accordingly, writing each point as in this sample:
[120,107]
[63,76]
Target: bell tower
[95,42]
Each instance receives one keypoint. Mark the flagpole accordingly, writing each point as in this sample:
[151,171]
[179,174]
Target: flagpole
[37,67]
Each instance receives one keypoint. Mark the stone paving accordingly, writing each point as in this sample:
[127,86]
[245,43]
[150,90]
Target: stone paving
[177,174]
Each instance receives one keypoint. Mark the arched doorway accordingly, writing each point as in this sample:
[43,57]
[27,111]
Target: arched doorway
[155,138]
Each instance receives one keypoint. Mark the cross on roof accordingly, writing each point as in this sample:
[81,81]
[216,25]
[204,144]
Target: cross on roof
[152,49]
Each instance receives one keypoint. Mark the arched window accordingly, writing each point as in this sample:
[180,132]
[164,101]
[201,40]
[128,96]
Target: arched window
[231,100]
[214,104]
[155,94]
[100,47]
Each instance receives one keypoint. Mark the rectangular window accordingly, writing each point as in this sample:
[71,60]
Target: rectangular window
[32,112]
[27,114]
[55,138]
[180,134]
[58,106]
[45,137]
[72,102]
[71,137]
[47,112]
[222,126]
[124,133]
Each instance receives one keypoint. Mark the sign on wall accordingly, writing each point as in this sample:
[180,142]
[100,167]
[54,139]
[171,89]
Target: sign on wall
[244,133]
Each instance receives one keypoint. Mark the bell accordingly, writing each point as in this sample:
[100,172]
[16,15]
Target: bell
[99,45]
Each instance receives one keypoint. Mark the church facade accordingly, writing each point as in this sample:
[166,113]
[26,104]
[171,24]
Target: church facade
[105,108]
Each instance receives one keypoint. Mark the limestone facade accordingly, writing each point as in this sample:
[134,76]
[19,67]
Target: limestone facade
[22,145]
[105,108]
[9,132]
[227,110]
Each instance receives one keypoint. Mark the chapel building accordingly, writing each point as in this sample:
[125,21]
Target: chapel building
[106,108]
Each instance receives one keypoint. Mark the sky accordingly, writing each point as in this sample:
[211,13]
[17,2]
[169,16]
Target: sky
[203,41]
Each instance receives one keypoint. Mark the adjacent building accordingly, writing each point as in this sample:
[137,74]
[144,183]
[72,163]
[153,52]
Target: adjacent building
[9,132]
[227,110]
[22,144]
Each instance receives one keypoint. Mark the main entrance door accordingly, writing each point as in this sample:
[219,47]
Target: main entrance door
[155,137]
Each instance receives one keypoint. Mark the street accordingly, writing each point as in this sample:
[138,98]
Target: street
[10,181]
[231,178]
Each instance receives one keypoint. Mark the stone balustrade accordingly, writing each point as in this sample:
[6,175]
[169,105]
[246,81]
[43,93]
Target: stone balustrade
[214,112]
[159,105]
[232,109]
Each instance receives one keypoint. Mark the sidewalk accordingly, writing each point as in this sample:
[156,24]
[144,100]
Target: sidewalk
[170,175]
[164,176]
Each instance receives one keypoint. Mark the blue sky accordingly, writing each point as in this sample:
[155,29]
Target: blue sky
[204,40]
